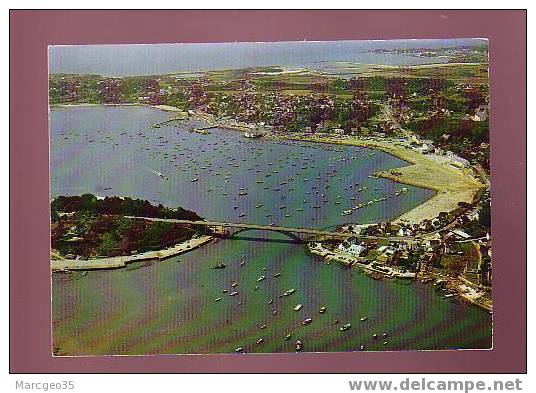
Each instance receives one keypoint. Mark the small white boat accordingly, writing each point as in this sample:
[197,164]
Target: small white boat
[289,292]
[252,134]
[298,307]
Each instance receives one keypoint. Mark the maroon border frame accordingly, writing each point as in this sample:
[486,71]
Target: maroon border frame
[32,30]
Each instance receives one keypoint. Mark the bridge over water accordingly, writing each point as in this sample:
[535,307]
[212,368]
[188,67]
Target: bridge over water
[303,235]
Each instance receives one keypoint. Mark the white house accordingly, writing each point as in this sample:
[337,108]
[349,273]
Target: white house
[457,160]
[425,148]
[390,251]
[404,232]
[481,114]
[473,215]
[354,249]
[461,234]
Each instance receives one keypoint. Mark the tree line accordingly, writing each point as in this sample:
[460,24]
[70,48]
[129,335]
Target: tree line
[89,203]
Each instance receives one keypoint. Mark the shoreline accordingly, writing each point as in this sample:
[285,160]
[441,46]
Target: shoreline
[463,289]
[165,108]
[63,265]
[451,185]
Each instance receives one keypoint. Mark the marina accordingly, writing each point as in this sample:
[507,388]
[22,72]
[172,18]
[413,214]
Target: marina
[186,288]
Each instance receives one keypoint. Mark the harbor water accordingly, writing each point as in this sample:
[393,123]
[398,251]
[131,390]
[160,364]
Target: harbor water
[172,306]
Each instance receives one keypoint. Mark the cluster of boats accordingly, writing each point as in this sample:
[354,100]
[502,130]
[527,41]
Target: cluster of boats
[220,166]
[349,211]
[233,292]
[229,159]
[297,181]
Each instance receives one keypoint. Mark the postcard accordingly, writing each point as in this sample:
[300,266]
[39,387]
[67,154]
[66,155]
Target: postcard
[270,197]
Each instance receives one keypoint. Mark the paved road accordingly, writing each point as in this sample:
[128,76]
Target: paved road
[388,112]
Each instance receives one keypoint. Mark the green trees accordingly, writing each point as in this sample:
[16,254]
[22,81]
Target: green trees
[108,244]
[338,85]
[54,216]
[413,260]
[85,202]
[98,226]
[89,204]
[484,217]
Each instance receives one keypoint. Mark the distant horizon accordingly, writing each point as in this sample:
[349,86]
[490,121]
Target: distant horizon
[119,60]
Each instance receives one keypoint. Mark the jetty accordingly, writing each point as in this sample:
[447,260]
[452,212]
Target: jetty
[203,130]
[60,265]
[166,122]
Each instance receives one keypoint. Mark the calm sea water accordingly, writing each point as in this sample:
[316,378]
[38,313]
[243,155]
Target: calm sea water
[169,307]
[128,60]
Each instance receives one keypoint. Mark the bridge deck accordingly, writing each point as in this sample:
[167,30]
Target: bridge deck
[274,228]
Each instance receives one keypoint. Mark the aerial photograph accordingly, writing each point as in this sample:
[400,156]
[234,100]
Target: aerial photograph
[270,197]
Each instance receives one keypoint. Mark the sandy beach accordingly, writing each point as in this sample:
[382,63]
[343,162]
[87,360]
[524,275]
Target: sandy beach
[86,104]
[452,185]
[166,108]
